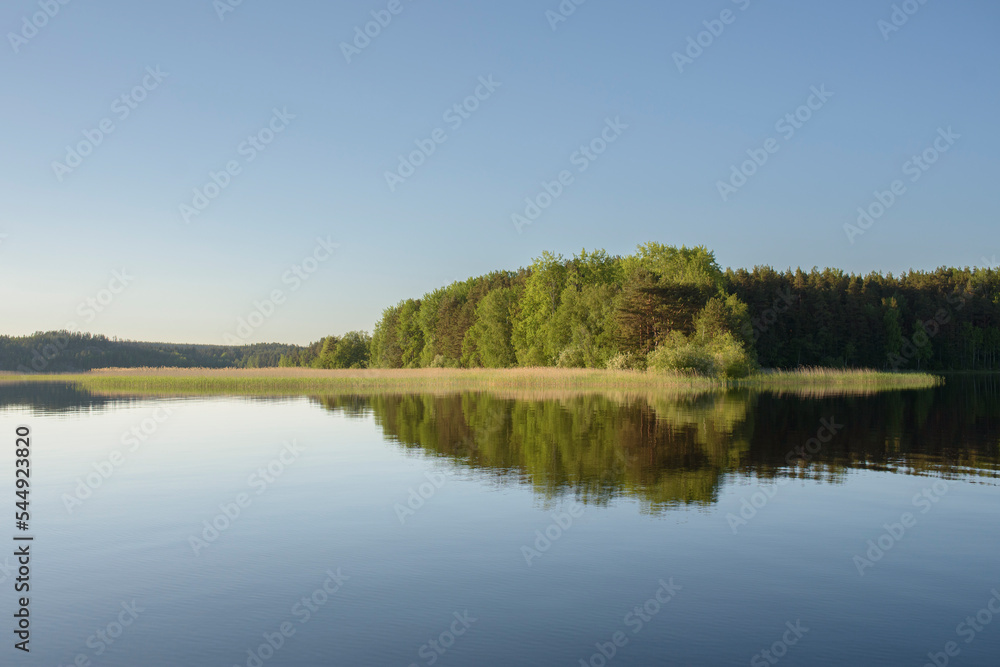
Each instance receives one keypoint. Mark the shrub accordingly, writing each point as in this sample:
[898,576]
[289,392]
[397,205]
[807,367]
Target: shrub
[730,358]
[679,354]
[571,357]
[626,361]
[723,356]
[441,361]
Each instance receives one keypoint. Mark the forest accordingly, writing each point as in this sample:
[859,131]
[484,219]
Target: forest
[63,351]
[661,308]
[669,308]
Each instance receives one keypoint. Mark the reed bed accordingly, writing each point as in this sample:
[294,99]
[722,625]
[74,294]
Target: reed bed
[303,381]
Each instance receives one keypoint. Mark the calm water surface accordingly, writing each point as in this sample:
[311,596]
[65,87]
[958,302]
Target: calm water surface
[487,530]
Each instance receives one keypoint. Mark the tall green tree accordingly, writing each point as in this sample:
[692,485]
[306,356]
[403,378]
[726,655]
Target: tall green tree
[530,332]
[488,342]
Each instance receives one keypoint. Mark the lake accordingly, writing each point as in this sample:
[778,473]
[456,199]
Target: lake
[733,528]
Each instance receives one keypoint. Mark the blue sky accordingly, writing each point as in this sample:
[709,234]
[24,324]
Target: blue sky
[345,124]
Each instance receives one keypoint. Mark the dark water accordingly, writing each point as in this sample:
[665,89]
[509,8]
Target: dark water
[487,530]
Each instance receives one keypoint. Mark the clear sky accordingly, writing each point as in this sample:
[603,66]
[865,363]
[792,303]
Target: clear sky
[552,86]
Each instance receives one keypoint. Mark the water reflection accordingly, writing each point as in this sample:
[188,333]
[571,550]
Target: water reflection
[52,398]
[679,450]
[664,450]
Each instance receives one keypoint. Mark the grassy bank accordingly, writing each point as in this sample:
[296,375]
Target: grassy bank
[299,381]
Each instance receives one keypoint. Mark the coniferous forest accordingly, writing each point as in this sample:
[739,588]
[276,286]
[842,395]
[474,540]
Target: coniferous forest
[662,308]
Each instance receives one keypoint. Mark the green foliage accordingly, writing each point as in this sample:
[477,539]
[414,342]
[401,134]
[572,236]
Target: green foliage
[531,327]
[385,349]
[581,331]
[681,354]
[488,342]
[409,334]
[722,356]
[683,266]
[626,361]
[730,357]
[944,319]
[893,327]
[595,311]
[352,350]
[725,314]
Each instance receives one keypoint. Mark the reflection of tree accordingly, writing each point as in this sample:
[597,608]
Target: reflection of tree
[590,445]
[664,450]
[950,430]
[46,397]
[676,450]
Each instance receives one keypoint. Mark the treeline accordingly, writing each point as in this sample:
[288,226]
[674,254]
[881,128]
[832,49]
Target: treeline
[948,319]
[63,351]
[663,308]
[676,309]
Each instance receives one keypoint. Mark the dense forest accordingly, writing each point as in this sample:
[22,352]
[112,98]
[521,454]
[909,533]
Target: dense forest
[675,308]
[62,351]
[662,308]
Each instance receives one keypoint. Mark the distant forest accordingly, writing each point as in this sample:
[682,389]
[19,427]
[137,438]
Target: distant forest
[63,351]
[663,308]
